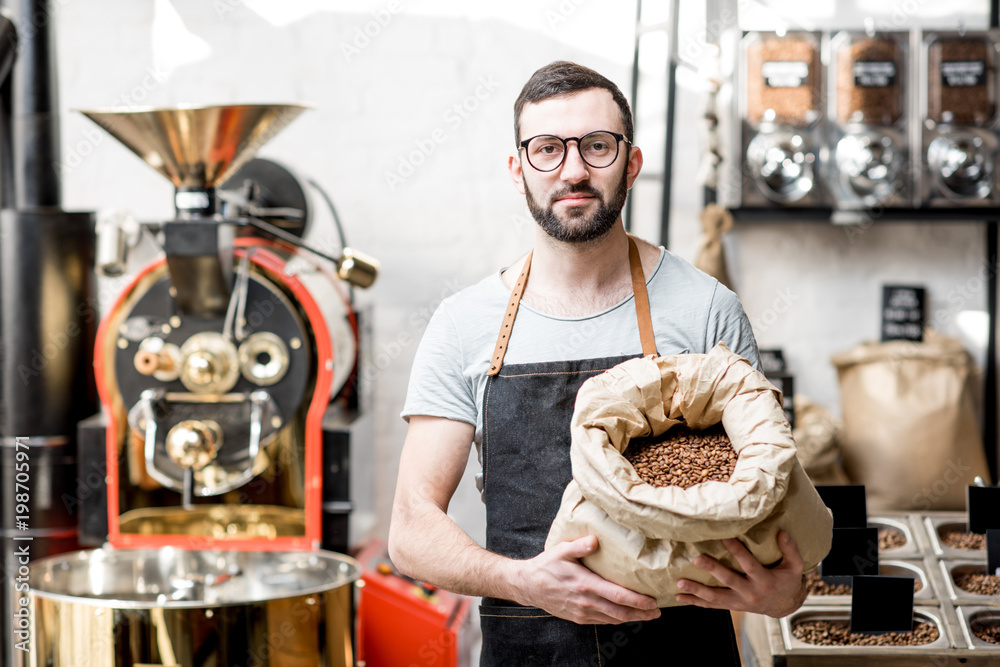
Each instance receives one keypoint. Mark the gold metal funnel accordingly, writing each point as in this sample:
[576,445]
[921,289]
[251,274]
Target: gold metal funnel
[196,147]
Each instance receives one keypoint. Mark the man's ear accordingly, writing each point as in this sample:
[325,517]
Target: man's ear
[634,165]
[516,175]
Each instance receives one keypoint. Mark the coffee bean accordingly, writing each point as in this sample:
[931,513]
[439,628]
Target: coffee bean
[778,101]
[955,93]
[863,97]
[817,586]
[837,633]
[682,457]
[988,633]
[958,539]
[980,584]
[890,538]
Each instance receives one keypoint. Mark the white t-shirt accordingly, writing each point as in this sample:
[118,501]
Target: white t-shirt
[691,312]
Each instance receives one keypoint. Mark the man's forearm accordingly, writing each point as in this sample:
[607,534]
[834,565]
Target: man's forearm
[426,544]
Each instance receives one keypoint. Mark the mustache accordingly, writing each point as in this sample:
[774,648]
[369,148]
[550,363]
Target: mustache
[576,188]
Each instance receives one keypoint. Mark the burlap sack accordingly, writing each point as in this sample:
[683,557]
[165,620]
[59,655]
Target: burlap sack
[649,536]
[911,434]
[816,443]
[715,221]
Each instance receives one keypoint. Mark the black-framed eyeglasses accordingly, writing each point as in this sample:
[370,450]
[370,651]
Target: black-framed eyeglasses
[546,152]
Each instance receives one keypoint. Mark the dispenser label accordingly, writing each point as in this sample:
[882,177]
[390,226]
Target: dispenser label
[784,74]
[963,74]
[874,74]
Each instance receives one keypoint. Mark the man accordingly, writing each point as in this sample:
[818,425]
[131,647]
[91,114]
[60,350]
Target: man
[596,297]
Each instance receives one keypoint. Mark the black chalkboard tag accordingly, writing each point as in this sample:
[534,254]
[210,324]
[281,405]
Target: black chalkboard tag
[983,503]
[903,313]
[853,552]
[772,361]
[847,502]
[882,604]
[785,383]
[993,551]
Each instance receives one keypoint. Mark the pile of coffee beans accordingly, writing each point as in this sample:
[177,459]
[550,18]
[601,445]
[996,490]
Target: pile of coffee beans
[980,584]
[683,457]
[988,633]
[817,586]
[838,633]
[959,539]
[960,75]
[890,538]
[775,91]
[870,81]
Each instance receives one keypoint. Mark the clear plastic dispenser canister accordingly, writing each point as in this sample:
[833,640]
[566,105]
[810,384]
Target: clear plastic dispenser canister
[960,120]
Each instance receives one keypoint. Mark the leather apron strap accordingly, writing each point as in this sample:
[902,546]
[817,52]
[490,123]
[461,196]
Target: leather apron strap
[645,320]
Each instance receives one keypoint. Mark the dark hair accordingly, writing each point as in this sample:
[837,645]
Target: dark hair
[562,78]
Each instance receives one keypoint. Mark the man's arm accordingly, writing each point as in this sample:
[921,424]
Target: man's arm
[426,544]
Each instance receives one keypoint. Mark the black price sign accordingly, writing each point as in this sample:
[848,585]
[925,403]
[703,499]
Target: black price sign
[993,551]
[772,362]
[847,503]
[854,552]
[903,313]
[882,604]
[785,383]
[983,503]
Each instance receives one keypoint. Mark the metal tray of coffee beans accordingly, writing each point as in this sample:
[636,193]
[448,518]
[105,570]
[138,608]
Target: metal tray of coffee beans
[949,529]
[842,615]
[980,625]
[978,587]
[826,594]
[894,529]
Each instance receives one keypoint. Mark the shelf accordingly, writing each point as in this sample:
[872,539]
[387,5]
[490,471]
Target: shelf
[865,216]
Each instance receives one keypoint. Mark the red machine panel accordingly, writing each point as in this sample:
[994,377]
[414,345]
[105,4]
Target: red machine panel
[406,623]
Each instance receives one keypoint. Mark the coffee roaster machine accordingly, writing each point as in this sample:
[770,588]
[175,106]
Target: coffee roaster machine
[217,479]
[226,369]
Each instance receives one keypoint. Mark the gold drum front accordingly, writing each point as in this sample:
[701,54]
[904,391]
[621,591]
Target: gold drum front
[176,608]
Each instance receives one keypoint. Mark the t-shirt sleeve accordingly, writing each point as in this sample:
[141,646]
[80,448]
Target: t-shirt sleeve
[729,324]
[438,386]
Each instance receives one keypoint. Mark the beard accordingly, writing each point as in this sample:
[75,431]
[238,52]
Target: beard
[586,228]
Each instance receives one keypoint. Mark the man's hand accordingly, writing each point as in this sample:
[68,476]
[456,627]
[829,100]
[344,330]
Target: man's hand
[776,592]
[555,581]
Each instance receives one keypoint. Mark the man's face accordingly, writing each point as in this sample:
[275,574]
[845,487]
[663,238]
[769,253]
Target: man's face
[575,203]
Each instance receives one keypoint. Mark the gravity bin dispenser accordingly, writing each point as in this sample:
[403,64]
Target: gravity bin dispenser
[217,365]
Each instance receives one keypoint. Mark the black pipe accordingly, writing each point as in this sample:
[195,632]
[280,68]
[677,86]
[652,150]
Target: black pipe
[990,390]
[8,51]
[635,96]
[35,116]
[668,158]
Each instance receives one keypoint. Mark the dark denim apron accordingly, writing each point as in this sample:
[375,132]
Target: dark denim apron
[527,409]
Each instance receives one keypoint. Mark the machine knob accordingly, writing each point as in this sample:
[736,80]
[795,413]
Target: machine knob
[357,268]
[158,358]
[193,443]
[210,363]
